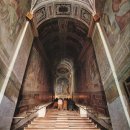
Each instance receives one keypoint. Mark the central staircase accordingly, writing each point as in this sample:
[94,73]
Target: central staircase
[62,120]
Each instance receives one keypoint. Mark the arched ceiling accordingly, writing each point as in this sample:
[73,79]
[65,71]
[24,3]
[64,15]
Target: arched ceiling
[63,38]
[82,10]
[63,26]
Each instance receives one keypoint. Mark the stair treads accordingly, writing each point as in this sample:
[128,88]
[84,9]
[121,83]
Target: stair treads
[63,126]
[74,121]
[61,129]
[62,120]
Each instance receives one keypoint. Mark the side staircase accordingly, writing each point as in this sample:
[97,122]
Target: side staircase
[62,120]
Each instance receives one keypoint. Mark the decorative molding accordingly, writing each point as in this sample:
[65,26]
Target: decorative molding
[85,15]
[63,9]
[69,9]
[40,15]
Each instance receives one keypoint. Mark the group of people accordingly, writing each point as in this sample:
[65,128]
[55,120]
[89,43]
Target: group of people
[65,104]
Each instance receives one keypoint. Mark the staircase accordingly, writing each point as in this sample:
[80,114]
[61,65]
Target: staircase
[62,120]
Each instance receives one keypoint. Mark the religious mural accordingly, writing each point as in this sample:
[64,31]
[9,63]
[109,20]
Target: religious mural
[102,61]
[12,16]
[90,78]
[116,25]
[116,19]
[35,86]
[89,89]
[62,87]
[94,78]
[63,79]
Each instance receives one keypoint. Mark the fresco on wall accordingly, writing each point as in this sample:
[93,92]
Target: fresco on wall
[35,85]
[89,73]
[116,25]
[116,19]
[12,16]
[92,70]
[101,57]
[90,91]
[35,74]
[63,87]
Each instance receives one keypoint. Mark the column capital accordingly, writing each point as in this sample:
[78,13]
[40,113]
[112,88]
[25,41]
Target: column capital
[96,17]
[29,16]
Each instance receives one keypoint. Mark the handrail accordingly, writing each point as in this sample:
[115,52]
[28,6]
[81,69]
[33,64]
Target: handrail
[36,110]
[104,120]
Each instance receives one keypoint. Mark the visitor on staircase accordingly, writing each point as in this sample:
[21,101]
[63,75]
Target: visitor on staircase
[55,103]
[65,102]
[60,103]
[71,104]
